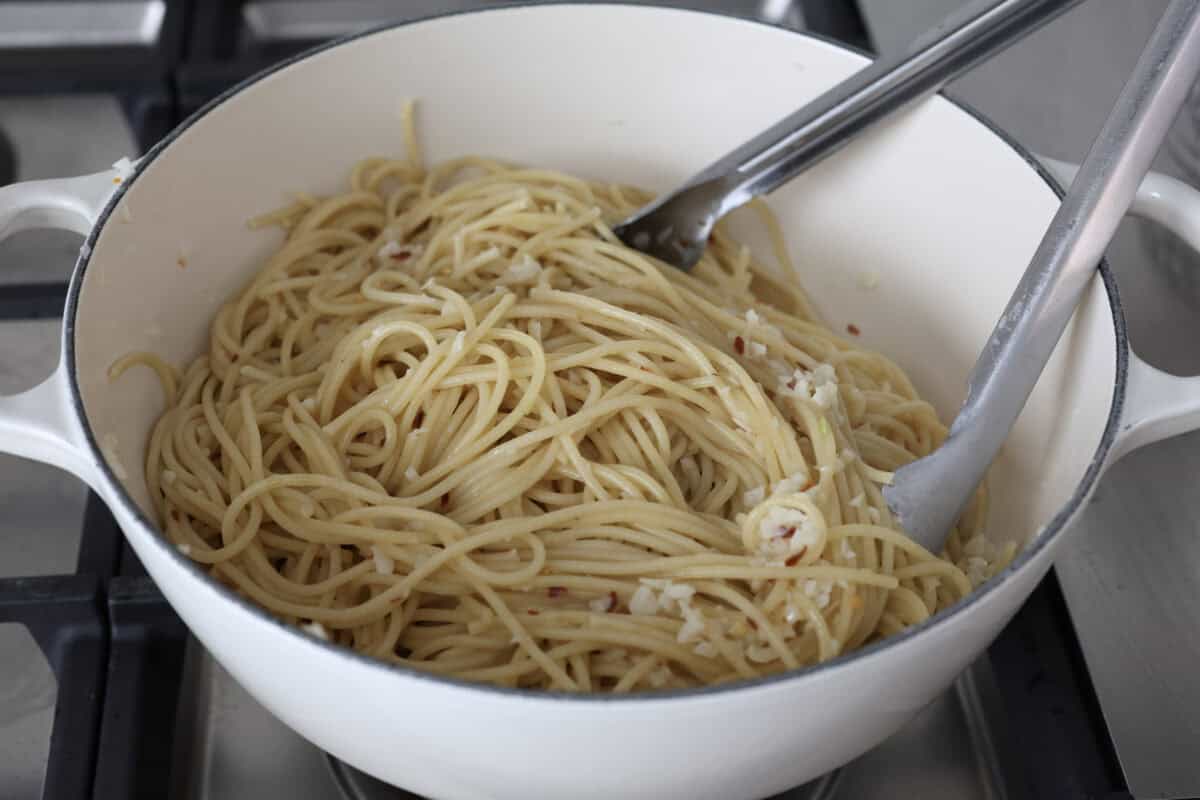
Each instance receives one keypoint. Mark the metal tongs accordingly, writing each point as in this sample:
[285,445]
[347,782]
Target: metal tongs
[929,494]
[675,227]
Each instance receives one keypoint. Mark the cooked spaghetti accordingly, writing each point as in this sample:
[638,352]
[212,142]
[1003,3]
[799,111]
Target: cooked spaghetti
[454,423]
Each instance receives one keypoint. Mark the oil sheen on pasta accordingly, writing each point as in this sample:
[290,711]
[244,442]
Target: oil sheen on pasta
[454,423]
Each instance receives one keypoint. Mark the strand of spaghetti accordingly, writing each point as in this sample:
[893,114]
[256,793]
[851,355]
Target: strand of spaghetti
[556,674]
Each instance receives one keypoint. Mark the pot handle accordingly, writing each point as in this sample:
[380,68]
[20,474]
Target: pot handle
[40,423]
[1158,405]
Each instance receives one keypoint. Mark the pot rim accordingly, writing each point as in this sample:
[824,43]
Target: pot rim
[116,493]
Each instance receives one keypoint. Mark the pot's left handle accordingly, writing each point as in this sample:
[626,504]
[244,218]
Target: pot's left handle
[1158,405]
[41,423]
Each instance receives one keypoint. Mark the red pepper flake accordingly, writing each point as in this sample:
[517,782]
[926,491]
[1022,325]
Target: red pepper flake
[446,500]
[402,255]
[791,384]
[739,344]
[852,329]
[789,532]
[795,559]
[753,624]
[418,419]
[556,591]
[612,601]
[533,612]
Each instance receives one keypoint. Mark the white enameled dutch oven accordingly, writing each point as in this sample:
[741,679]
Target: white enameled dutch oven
[942,208]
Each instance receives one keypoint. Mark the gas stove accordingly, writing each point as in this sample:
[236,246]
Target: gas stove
[104,694]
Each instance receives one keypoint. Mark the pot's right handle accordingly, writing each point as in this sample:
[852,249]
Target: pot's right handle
[1158,405]
[41,423]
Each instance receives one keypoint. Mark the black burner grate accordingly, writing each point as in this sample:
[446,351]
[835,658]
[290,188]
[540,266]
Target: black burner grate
[8,162]
[65,615]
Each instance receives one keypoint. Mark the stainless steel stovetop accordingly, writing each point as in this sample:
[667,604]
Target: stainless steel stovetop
[1103,699]
[235,750]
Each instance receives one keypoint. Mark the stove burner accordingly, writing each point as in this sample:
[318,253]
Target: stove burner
[356,785]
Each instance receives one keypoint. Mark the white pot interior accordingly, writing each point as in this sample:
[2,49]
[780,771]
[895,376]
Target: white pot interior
[933,203]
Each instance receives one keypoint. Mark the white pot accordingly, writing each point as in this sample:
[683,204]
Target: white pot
[941,207]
